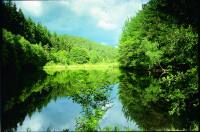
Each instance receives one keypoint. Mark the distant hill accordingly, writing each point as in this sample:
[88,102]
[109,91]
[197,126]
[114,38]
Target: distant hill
[25,40]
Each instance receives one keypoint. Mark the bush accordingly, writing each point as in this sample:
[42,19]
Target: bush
[79,55]
[18,54]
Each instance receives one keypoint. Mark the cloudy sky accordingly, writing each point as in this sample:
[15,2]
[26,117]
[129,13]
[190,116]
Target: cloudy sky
[98,20]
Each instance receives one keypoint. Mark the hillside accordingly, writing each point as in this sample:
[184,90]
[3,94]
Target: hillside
[24,35]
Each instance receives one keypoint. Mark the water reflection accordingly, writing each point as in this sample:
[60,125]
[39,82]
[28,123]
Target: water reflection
[14,88]
[115,116]
[55,102]
[144,102]
[88,100]
[58,115]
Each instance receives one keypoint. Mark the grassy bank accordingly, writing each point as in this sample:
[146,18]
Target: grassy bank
[61,67]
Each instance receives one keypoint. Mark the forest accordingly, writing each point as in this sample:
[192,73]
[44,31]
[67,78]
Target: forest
[29,45]
[162,41]
[154,71]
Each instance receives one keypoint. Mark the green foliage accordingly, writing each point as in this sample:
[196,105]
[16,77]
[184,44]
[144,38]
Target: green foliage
[162,38]
[15,21]
[138,94]
[61,56]
[153,37]
[18,54]
[89,121]
[160,104]
[79,56]
[180,89]
[63,49]
[96,52]
[158,41]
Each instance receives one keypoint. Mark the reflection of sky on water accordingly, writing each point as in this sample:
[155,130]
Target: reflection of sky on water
[61,114]
[114,116]
[58,115]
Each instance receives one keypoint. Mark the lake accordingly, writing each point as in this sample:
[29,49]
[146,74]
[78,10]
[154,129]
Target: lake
[71,100]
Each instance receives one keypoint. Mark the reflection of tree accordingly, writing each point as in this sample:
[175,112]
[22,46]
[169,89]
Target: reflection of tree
[88,88]
[144,101]
[14,107]
[94,107]
[92,94]
[91,90]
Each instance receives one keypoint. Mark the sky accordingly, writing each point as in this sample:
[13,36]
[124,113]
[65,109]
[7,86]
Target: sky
[98,20]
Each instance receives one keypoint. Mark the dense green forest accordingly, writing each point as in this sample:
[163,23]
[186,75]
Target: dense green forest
[163,38]
[29,45]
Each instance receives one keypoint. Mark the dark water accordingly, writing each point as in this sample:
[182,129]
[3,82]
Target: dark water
[87,100]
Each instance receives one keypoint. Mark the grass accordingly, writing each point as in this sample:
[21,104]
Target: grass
[60,67]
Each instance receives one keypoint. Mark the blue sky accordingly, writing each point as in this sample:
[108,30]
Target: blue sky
[98,20]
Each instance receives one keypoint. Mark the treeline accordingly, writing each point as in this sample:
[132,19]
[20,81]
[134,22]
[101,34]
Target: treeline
[163,38]
[20,54]
[80,50]
[154,38]
[26,43]
[15,21]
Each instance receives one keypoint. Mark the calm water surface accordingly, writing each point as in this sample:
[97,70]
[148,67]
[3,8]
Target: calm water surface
[86,100]
[61,114]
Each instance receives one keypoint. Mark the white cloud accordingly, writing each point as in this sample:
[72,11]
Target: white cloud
[108,14]
[34,124]
[35,8]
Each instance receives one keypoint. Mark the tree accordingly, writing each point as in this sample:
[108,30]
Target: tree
[79,55]
[163,39]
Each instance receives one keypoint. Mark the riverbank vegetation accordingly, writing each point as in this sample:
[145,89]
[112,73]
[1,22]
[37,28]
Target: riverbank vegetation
[163,38]
[51,67]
